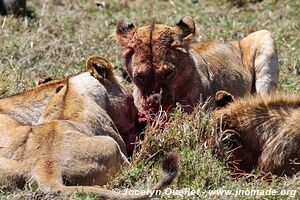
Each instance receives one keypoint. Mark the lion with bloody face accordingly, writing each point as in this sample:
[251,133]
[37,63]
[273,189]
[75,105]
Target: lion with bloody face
[166,67]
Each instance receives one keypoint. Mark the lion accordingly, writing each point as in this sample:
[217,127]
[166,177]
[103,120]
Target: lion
[66,135]
[167,67]
[261,132]
[86,97]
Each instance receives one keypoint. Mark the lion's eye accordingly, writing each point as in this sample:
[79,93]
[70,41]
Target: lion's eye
[178,45]
[139,79]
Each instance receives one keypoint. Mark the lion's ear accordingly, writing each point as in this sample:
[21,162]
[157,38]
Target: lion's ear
[124,32]
[99,67]
[223,98]
[186,27]
[233,139]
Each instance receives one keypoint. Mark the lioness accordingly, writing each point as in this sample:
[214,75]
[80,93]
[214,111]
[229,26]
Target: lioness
[83,99]
[167,67]
[262,133]
[64,132]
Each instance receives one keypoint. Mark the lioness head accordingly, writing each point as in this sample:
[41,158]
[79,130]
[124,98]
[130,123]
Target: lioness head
[238,153]
[121,107]
[157,61]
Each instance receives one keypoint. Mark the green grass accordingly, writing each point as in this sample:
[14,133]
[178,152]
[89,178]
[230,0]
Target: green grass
[56,40]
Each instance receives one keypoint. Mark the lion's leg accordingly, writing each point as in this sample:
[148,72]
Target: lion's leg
[57,186]
[49,180]
[78,159]
[90,160]
[259,56]
[52,182]
[93,160]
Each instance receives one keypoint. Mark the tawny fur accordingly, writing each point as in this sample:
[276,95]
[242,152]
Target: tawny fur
[265,133]
[167,67]
[65,132]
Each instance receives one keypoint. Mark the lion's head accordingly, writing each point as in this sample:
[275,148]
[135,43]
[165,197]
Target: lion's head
[120,107]
[158,61]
